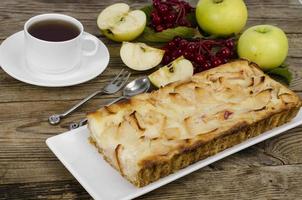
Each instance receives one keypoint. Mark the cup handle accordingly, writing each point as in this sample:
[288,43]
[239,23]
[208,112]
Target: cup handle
[87,37]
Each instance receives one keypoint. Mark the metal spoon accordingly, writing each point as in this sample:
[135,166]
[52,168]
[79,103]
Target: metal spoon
[135,87]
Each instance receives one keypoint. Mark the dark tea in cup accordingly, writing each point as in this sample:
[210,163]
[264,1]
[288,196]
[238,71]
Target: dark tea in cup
[54,30]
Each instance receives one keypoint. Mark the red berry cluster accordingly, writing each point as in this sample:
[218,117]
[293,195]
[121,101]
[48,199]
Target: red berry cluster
[169,14]
[203,53]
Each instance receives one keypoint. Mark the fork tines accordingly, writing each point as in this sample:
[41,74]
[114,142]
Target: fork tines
[121,78]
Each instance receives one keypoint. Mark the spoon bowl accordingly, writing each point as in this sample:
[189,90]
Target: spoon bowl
[137,86]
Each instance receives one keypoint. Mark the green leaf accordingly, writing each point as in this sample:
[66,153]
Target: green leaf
[281,72]
[279,79]
[192,19]
[284,65]
[167,35]
[147,10]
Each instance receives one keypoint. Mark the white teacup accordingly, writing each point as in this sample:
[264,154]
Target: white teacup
[56,57]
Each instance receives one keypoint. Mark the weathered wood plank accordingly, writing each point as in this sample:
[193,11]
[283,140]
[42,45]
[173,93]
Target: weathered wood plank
[70,189]
[29,170]
[273,182]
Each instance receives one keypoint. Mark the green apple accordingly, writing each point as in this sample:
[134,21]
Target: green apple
[119,23]
[179,69]
[221,17]
[265,45]
[139,56]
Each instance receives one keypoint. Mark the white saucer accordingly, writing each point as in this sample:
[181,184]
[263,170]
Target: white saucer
[12,61]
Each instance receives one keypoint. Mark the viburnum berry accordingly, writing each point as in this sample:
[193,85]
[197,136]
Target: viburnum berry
[229,43]
[171,13]
[203,53]
[199,59]
[156,20]
[163,9]
[177,39]
[171,44]
[178,52]
[188,55]
[191,47]
[225,52]
[171,18]
[166,59]
[183,43]
[156,3]
[207,65]
[216,62]
[159,28]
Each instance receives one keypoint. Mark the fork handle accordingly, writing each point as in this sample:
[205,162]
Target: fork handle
[81,103]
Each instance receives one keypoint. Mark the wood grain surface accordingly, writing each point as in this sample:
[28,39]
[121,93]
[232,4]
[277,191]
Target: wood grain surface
[29,170]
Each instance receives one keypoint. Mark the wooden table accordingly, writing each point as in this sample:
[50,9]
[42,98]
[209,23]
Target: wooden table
[29,170]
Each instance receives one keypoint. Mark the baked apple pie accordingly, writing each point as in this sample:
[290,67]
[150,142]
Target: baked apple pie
[155,134]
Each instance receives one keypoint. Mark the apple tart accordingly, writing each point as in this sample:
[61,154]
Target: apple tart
[155,134]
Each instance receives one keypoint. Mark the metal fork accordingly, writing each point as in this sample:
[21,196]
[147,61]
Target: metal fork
[114,86]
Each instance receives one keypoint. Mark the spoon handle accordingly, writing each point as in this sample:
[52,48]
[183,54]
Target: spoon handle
[116,100]
[81,103]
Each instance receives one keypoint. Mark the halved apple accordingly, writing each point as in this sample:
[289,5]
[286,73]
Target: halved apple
[139,56]
[179,69]
[119,23]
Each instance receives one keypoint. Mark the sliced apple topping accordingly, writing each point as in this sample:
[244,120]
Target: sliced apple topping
[195,125]
[287,98]
[117,150]
[160,148]
[187,91]
[179,69]
[151,123]
[257,102]
[172,133]
[139,56]
[119,23]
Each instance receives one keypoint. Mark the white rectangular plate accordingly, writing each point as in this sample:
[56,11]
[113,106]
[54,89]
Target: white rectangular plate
[103,182]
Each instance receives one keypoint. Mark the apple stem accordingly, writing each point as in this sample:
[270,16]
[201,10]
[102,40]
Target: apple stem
[217,1]
[262,30]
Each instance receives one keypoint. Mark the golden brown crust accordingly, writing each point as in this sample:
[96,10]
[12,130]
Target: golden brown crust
[154,169]
[123,127]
